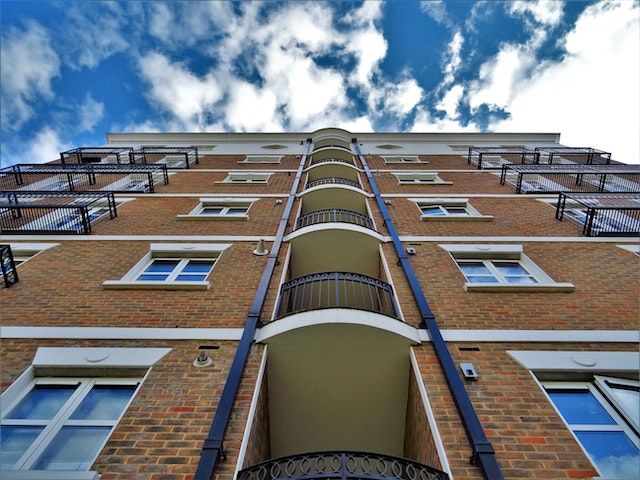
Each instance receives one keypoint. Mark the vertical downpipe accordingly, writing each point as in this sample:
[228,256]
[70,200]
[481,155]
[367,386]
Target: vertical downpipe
[483,453]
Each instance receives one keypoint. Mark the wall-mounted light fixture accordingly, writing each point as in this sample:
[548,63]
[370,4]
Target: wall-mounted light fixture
[469,371]
[261,249]
[203,360]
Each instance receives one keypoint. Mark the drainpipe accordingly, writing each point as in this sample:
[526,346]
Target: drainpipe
[212,447]
[483,453]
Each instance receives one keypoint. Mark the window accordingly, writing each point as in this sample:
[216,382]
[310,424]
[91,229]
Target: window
[501,268]
[249,177]
[420,177]
[172,266]
[62,424]
[402,159]
[441,209]
[220,209]
[604,417]
[262,158]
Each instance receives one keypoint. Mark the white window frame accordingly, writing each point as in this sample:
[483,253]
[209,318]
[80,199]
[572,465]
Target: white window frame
[70,365]
[420,178]
[22,252]
[262,159]
[247,178]
[402,159]
[225,204]
[488,253]
[167,251]
[471,214]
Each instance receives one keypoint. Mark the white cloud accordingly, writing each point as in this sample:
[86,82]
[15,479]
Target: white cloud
[450,101]
[437,10]
[28,65]
[591,97]
[89,113]
[545,12]
[179,91]
[455,60]
[252,109]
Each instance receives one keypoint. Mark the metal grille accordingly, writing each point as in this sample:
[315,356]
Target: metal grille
[336,290]
[558,178]
[602,214]
[172,157]
[332,181]
[97,155]
[495,157]
[334,215]
[341,465]
[84,177]
[8,266]
[53,212]
[584,156]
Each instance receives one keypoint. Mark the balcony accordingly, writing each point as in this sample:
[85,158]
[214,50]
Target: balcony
[332,181]
[318,161]
[97,155]
[496,157]
[602,214]
[336,290]
[559,178]
[334,215]
[8,266]
[24,212]
[83,177]
[573,155]
[341,465]
[172,157]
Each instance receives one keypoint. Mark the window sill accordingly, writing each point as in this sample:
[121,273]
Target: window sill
[51,475]
[457,218]
[213,217]
[505,287]
[253,182]
[125,285]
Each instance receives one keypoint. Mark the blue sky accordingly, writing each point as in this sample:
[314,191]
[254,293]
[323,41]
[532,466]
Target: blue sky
[72,71]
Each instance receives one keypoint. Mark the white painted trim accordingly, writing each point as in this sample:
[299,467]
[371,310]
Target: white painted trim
[577,239]
[252,411]
[79,357]
[147,238]
[319,227]
[433,425]
[577,360]
[336,316]
[119,333]
[51,475]
[578,336]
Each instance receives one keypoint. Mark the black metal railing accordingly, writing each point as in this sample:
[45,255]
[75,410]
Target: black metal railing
[334,215]
[602,214]
[332,181]
[26,212]
[343,466]
[97,155]
[83,177]
[172,157]
[579,155]
[495,157]
[316,161]
[328,145]
[8,266]
[319,291]
[558,178]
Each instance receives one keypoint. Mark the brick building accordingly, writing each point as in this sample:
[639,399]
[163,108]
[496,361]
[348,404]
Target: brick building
[320,305]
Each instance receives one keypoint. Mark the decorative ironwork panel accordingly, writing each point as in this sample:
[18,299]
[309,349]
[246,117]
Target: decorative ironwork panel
[332,181]
[602,214]
[341,465]
[334,215]
[8,266]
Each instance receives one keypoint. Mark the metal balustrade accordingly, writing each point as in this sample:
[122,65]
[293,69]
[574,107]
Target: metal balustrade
[23,212]
[8,266]
[580,155]
[83,177]
[341,465]
[602,214]
[316,161]
[336,290]
[332,181]
[558,178]
[172,157]
[495,157]
[97,155]
[334,215]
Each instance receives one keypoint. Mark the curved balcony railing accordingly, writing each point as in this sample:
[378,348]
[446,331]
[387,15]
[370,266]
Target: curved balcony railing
[334,215]
[332,181]
[318,291]
[341,465]
[316,161]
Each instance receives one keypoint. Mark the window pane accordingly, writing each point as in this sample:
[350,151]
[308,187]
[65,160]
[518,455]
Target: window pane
[432,211]
[191,278]
[152,278]
[162,266]
[43,402]
[198,266]
[614,454]
[14,441]
[629,398]
[474,268]
[73,448]
[211,211]
[474,279]
[237,211]
[581,408]
[457,210]
[104,403]
[520,280]
[510,268]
